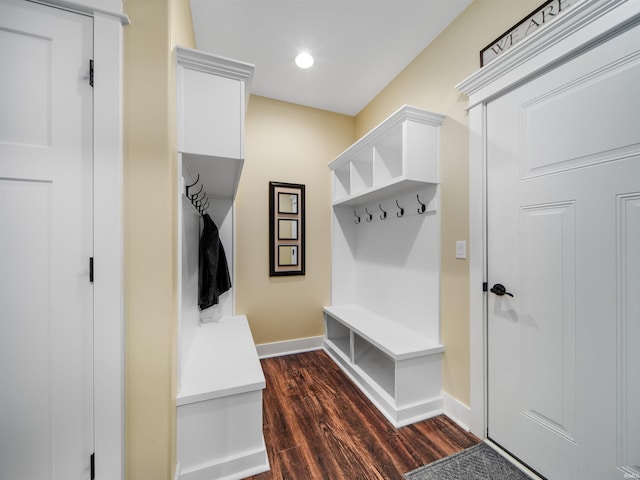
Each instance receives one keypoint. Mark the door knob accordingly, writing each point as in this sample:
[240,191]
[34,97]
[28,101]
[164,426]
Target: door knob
[500,290]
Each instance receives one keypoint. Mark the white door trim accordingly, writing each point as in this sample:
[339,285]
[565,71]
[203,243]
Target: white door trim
[108,249]
[585,25]
[108,236]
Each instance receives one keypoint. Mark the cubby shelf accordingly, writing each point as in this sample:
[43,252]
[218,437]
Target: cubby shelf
[400,153]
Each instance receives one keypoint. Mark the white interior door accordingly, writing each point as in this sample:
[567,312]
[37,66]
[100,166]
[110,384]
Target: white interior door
[563,213]
[46,304]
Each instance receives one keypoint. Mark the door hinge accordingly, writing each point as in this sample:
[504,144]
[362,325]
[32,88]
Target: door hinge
[485,287]
[92,461]
[91,269]
[91,72]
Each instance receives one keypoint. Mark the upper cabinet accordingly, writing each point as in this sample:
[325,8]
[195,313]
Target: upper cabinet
[212,97]
[400,153]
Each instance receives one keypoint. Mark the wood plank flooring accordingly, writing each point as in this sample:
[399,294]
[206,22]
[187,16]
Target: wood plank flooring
[319,425]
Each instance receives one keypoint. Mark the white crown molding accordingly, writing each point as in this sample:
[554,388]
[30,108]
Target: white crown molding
[87,8]
[579,29]
[222,66]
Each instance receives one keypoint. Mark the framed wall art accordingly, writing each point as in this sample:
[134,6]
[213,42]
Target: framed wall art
[286,229]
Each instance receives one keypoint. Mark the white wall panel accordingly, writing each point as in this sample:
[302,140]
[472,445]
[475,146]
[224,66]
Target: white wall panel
[25,329]
[629,332]
[555,140]
[30,121]
[397,266]
[548,308]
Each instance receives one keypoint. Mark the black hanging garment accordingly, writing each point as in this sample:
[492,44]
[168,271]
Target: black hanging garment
[214,277]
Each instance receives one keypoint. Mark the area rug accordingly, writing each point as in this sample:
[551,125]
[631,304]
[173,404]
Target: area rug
[479,462]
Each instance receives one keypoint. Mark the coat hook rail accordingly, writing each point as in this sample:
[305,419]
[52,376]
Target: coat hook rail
[401,211]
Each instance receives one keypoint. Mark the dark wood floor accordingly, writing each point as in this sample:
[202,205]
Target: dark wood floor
[318,425]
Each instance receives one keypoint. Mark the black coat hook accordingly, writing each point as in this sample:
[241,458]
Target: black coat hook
[204,206]
[357,220]
[401,212]
[199,201]
[384,214]
[195,195]
[422,208]
[369,217]
[187,187]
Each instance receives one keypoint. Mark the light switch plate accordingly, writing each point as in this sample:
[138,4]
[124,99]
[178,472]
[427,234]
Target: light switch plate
[461,249]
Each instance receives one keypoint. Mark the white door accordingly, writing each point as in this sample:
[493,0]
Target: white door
[563,227]
[46,299]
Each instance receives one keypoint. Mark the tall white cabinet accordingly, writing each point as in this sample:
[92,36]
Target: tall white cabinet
[219,402]
[383,326]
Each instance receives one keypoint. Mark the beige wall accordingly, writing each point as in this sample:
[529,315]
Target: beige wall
[150,233]
[287,143]
[429,82]
[292,144]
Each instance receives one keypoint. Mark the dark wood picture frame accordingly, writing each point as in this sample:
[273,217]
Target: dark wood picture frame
[286,203]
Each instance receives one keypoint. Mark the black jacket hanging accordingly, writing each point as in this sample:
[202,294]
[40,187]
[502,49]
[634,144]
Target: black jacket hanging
[214,277]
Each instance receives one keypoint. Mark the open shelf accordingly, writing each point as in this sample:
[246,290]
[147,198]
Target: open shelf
[361,175]
[342,182]
[396,186]
[402,149]
[380,367]
[377,352]
[340,336]
[387,157]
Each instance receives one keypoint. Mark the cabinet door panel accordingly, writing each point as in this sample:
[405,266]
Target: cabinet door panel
[211,114]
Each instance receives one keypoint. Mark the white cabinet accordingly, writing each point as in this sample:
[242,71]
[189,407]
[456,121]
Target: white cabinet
[399,154]
[219,401]
[220,404]
[211,113]
[212,95]
[383,327]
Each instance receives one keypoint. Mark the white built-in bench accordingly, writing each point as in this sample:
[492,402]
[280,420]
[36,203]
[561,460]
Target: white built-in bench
[220,404]
[397,368]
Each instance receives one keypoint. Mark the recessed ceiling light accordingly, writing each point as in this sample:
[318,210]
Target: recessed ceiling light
[304,60]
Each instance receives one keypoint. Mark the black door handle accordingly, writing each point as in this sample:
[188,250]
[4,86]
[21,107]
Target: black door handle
[500,290]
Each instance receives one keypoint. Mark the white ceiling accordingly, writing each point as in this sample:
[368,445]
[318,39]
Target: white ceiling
[359,46]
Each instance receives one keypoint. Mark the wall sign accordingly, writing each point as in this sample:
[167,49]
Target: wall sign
[545,14]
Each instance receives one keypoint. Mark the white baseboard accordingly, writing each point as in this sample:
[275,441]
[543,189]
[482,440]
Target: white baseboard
[457,411]
[289,347]
[241,466]
[176,475]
